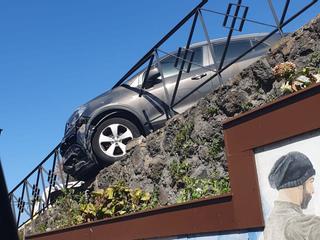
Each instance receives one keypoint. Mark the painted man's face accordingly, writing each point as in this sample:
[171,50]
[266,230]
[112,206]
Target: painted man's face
[308,190]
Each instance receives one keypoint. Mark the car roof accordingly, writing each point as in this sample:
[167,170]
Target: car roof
[237,37]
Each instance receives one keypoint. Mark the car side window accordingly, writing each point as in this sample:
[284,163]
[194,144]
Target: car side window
[167,64]
[154,77]
[235,49]
[168,68]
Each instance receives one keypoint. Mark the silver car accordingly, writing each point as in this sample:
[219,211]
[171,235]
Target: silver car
[97,132]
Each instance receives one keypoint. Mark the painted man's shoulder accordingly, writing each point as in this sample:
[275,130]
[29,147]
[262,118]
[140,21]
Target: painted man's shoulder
[303,227]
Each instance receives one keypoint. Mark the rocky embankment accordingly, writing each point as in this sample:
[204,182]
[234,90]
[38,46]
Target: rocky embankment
[196,137]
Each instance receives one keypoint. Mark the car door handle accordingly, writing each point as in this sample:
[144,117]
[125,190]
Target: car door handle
[197,77]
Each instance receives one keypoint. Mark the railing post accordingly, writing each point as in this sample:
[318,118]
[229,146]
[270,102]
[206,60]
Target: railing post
[7,222]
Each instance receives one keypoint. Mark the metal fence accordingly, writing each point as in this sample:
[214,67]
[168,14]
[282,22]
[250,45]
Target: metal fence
[34,193]
[38,189]
[231,20]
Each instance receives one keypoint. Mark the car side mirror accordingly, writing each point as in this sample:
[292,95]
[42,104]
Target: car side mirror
[154,78]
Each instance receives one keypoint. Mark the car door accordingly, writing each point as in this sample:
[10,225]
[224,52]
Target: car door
[194,73]
[191,78]
[160,84]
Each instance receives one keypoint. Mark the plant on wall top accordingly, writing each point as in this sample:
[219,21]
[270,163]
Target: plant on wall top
[295,79]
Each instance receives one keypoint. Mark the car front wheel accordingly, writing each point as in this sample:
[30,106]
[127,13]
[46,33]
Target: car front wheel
[109,142]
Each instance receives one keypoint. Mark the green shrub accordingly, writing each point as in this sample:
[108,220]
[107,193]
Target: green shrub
[75,208]
[216,147]
[211,111]
[246,106]
[178,170]
[314,60]
[183,142]
[196,188]
[191,188]
[68,207]
[116,200]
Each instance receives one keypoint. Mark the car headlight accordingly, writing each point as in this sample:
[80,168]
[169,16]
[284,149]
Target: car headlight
[74,118]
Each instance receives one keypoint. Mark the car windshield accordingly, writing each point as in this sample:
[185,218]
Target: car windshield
[135,81]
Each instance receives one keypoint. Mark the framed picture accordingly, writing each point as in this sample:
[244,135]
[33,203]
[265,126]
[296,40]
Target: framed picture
[307,144]
[281,141]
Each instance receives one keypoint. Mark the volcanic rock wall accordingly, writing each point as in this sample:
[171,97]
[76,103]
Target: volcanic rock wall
[196,137]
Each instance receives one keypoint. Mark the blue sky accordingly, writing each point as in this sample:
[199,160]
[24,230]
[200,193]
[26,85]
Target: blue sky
[57,55]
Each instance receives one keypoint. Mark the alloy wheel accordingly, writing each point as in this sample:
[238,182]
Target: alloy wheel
[113,140]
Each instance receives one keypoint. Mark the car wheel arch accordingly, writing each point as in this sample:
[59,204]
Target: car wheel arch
[117,113]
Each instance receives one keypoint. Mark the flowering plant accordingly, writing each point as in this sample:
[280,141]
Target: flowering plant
[284,70]
[295,80]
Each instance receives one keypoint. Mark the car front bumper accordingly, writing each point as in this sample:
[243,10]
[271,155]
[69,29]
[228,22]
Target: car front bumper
[78,161]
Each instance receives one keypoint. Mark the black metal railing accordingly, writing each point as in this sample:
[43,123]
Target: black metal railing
[33,194]
[229,21]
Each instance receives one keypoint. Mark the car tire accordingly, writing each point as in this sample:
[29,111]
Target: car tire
[110,139]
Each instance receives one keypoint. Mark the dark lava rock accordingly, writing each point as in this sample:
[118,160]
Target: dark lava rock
[148,163]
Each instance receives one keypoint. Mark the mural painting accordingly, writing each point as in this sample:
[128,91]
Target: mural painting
[288,175]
